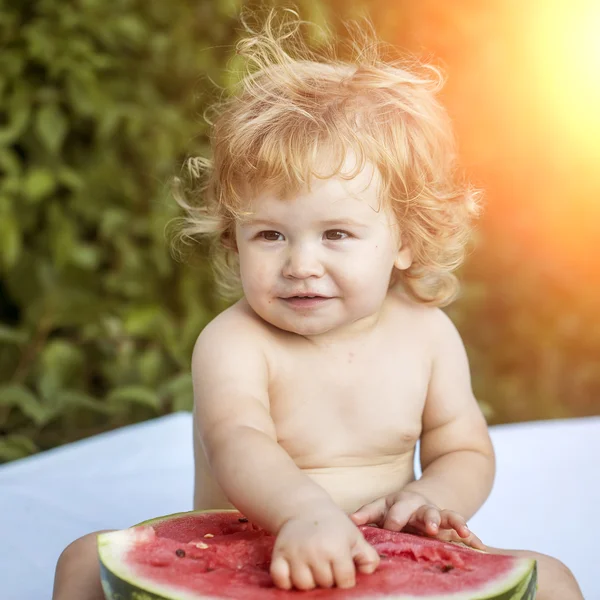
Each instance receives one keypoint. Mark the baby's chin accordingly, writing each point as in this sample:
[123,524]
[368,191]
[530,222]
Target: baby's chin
[307,325]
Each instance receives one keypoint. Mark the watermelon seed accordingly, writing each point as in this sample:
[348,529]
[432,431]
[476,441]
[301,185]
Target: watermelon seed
[243,520]
[447,568]
[382,555]
[201,545]
[180,552]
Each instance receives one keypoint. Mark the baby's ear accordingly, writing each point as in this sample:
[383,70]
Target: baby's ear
[404,258]
[228,240]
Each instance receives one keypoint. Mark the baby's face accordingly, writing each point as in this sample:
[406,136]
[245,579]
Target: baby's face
[321,261]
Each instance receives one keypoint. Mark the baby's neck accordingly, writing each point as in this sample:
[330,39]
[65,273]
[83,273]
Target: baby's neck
[355,333]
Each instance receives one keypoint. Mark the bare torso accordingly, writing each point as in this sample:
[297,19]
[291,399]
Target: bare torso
[348,413]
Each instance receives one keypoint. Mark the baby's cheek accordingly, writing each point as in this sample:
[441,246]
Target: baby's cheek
[250,266]
[257,276]
[368,278]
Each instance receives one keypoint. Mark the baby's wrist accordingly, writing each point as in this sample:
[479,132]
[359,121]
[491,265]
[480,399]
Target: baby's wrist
[435,492]
[419,488]
[316,512]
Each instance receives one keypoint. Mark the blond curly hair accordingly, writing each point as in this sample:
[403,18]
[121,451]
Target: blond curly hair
[291,103]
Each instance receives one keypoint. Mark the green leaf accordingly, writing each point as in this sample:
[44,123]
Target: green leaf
[133,394]
[62,235]
[19,108]
[75,307]
[61,364]
[9,161]
[13,59]
[10,335]
[151,366]
[83,91]
[132,28]
[180,390]
[18,396]
[113,222]
[39,182]
[86,256]
[51,126]
[15,446]
[10,238]
[11,185]
[23,281]
[171,337]
[142,320]
[228,8]
[235,71]
[110,121]
[70,178]
[76,399]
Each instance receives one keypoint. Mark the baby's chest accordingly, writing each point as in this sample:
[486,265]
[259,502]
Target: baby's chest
[349,410]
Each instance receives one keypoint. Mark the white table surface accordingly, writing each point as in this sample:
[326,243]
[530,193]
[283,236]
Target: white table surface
[545,497]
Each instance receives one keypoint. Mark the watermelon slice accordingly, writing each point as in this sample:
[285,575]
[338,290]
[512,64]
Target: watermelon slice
[218,554]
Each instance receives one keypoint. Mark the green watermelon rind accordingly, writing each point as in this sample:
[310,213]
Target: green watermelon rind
[189,513]
[119,583]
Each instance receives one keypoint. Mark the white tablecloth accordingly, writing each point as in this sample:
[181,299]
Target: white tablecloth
[545,498]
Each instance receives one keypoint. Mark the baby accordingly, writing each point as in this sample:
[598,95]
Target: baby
[334,209]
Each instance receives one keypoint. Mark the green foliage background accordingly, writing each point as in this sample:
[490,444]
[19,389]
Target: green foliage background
[100,102]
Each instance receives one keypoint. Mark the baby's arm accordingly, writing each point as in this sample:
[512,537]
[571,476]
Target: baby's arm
[237,433]
[457,456]
[259,478]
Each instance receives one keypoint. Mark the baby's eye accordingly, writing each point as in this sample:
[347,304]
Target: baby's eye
[270,236]
[336,234]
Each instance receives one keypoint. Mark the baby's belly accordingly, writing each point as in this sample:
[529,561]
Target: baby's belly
[352,486]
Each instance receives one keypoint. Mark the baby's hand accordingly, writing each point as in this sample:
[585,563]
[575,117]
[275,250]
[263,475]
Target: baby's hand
[410,511]
[321,550]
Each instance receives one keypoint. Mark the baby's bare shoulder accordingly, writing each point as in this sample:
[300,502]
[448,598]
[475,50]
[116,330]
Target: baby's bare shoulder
[237,323]
[234,341]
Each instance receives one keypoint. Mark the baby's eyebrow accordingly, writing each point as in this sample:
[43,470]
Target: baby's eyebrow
[343,221]
[249,222]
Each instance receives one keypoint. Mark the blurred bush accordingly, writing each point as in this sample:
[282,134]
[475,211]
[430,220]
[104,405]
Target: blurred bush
[99,103]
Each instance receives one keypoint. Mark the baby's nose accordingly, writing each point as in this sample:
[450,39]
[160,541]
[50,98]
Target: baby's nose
[301,263]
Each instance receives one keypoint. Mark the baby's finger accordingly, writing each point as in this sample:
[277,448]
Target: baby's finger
[474,542]
[344,572]
[322,572]
[427,518]
[398,516]
[280,573]
[374,512]
[301,576]
[452,520]
[451,535]
[365,557]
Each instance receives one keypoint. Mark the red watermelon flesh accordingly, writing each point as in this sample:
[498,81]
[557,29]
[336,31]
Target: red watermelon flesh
[221,555]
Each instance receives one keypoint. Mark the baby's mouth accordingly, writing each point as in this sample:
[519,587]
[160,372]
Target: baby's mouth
[305,301]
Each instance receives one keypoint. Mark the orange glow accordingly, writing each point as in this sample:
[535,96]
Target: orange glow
[564,40]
